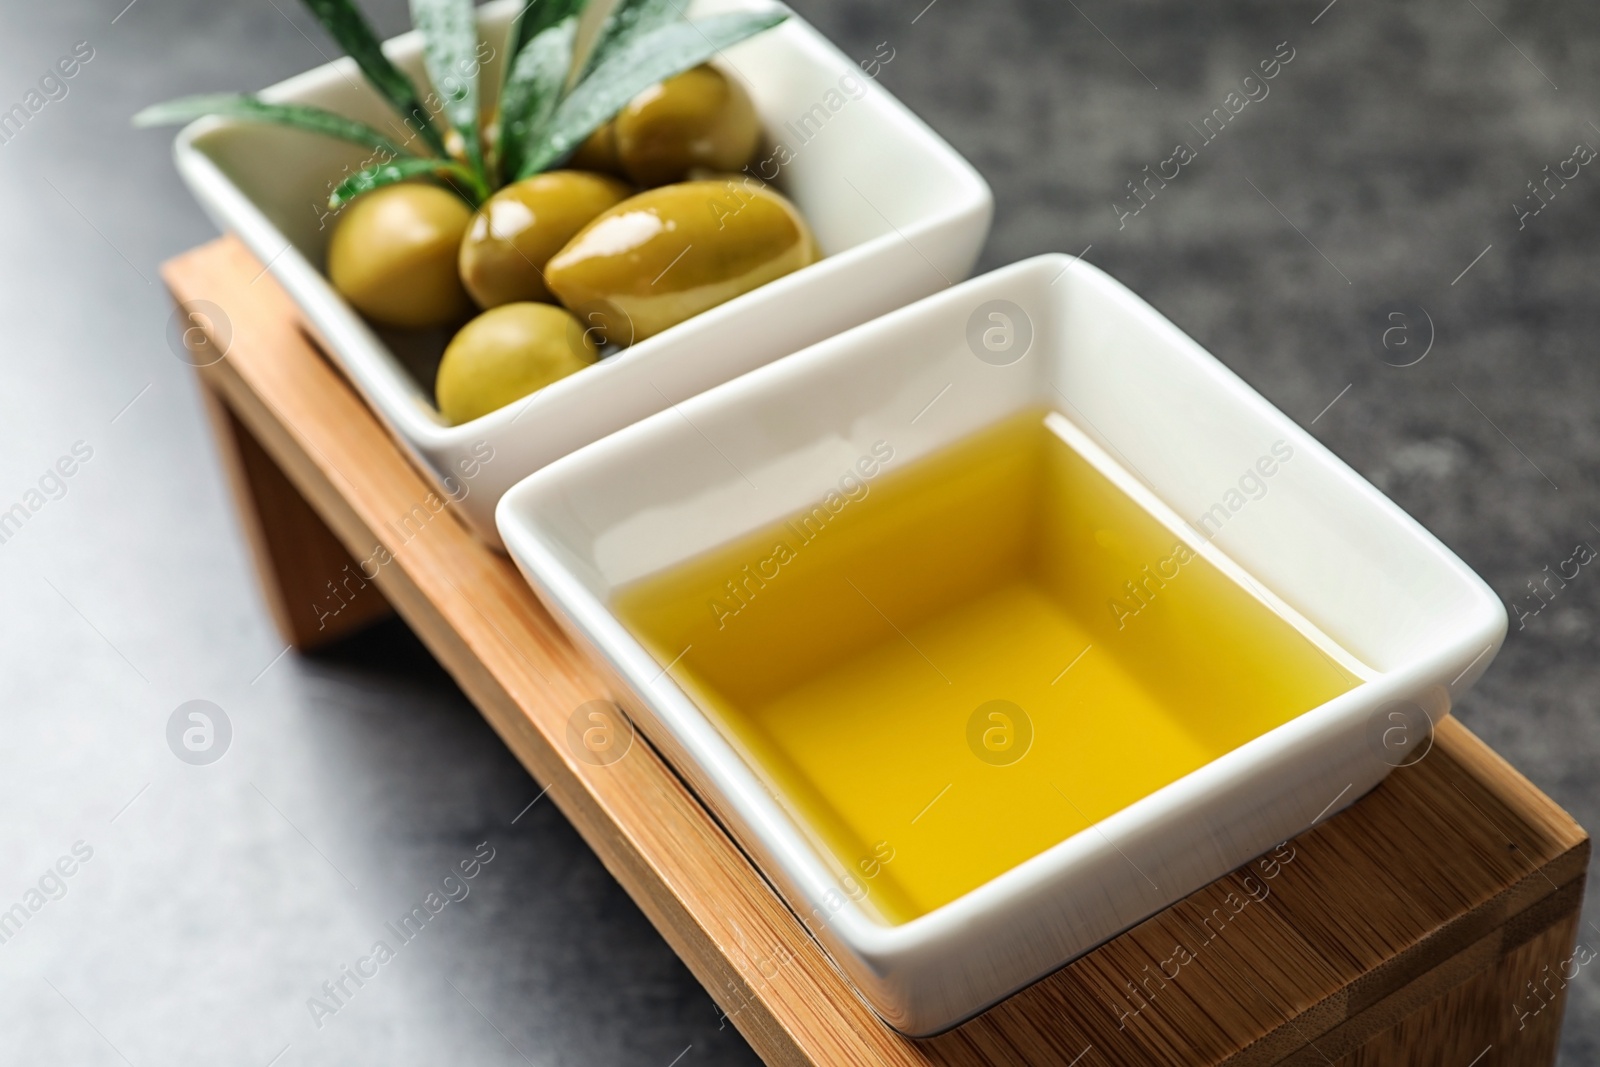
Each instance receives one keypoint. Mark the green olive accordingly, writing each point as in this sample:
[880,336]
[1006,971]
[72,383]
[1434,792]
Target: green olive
[670,253]
[506,353]
[598,152]
[393,256]
[701,118]
[518,229]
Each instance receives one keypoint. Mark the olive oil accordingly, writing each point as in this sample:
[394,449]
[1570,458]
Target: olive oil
[970,658]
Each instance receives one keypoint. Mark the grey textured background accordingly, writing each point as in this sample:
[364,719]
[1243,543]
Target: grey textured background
[217,899]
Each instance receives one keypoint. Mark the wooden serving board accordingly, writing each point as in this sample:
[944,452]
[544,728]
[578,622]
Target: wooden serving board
[1428,923]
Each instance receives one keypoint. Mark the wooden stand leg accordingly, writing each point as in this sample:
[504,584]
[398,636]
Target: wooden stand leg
[313,587]
[1506,1016]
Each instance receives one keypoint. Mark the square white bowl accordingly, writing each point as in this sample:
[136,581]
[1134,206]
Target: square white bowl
[1172,427]
[897,212]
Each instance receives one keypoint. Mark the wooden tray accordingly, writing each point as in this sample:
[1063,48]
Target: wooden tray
[1430,922]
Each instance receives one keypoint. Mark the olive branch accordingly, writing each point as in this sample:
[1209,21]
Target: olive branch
[550,100]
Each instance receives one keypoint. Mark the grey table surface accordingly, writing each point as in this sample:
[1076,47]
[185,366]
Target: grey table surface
[1388,166]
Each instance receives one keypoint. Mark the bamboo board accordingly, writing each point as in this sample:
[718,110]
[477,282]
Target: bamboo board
[1419,925]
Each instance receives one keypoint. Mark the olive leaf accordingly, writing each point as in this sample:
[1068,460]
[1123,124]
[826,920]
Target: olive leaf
[533,89]
[626,21]
[631,67]
[465,182]
[449,31]
[536,17]
[350,28]
[248,108]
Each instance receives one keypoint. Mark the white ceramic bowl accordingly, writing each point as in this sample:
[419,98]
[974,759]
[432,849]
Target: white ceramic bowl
[897,212]
[1172,427]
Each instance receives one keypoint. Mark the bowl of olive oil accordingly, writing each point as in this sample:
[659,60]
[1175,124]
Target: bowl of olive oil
[995,625]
